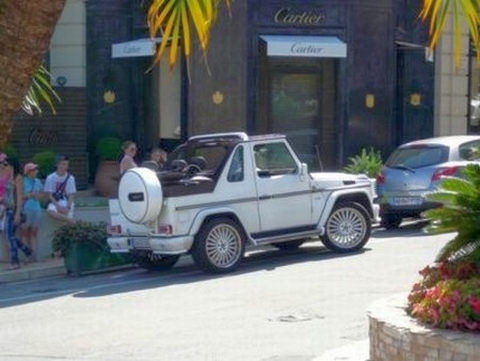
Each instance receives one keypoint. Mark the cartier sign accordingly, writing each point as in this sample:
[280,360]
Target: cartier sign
[294,17]
[41,137]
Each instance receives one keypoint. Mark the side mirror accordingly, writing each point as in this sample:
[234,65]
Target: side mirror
[303,169]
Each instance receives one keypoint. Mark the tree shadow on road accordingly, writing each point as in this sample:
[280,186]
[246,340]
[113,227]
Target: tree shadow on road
[267,259]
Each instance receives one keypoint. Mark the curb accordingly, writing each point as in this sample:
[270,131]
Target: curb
[32,272]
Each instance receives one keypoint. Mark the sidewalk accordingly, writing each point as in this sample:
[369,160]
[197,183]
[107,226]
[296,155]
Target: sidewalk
[49,268]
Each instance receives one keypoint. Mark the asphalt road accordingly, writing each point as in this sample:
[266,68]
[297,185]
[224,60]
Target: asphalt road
[278,306]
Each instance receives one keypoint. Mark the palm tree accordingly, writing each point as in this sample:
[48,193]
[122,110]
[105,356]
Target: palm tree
[461,13]
[26,28]
[460,213]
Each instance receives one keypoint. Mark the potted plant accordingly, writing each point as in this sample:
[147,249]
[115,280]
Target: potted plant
[368,162]
[107,149]
[84,248]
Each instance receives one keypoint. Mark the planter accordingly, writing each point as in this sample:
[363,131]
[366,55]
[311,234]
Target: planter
[395,336]
[106,178]
[83,258]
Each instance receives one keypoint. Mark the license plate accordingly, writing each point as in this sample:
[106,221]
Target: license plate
[405,201]
[139,243]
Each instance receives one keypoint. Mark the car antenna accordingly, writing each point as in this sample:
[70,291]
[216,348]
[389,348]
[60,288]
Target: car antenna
[318,157]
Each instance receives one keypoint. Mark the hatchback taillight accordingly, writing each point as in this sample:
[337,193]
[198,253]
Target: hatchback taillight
[114,229]
[444,172]
[380,178]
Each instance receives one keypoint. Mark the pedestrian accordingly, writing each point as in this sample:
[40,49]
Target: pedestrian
[29,193]
[61,188]
[12,215]
[128,161]
[3,181]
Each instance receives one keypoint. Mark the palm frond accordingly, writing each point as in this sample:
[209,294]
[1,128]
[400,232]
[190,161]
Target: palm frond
[460,213]
[174,20]
[40,92]
[461,12]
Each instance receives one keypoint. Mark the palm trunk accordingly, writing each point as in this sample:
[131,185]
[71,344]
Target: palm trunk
[26,27]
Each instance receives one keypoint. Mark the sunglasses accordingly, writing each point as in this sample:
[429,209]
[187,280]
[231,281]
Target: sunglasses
[4,163]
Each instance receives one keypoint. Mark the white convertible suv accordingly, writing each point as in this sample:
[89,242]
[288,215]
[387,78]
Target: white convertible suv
[219,193]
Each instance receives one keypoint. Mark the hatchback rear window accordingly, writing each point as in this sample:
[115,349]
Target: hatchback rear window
[417,156]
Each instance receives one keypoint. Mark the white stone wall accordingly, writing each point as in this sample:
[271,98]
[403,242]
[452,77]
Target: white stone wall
[451,86]
[68,46]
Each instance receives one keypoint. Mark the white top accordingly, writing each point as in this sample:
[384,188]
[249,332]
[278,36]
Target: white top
[54,181]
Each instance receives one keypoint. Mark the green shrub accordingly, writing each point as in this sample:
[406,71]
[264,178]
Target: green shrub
[108,148]
[46,162]
[95,234]
[367,162]
[460,213]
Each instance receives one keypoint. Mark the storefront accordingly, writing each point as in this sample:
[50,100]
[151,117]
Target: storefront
[335,76]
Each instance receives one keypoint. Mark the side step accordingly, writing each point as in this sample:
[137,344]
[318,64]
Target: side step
[287,237]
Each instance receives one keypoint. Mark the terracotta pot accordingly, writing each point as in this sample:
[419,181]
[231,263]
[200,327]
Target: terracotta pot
[106,178]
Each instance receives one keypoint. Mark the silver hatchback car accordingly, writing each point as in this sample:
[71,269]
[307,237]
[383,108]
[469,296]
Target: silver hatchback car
[416,168]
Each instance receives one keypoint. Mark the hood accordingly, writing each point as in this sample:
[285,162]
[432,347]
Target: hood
[338,179]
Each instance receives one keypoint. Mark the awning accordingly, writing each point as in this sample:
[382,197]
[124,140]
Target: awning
[134,48]
[305,46]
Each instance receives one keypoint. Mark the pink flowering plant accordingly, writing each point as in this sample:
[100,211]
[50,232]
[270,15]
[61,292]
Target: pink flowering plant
[448,295]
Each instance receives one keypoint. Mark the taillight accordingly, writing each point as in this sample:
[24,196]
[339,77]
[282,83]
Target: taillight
[380,178]
[114,229]
[165,229]
[444,172]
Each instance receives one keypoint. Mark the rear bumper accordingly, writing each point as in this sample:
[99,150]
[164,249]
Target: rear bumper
[158,245]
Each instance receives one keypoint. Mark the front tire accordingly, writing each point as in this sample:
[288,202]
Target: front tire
[155,262]
[219,246]
[348,228]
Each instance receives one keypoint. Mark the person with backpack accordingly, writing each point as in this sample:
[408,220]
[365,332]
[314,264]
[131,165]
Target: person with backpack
[60,187]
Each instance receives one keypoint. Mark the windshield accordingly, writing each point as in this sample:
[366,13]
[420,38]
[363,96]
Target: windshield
[417,156]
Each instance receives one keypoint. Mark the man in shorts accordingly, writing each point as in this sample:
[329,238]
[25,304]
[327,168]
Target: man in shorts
[60,187]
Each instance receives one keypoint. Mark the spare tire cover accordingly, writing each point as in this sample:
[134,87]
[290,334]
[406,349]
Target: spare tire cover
[140,195]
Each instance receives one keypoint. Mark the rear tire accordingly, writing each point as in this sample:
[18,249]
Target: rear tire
[155,262]
[348,228]
[390,221]
[219,246]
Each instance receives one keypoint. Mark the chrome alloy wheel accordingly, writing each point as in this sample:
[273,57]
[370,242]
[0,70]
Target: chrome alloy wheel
[346,227]
[223,245]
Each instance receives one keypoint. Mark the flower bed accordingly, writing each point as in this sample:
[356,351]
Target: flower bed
[448,296]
